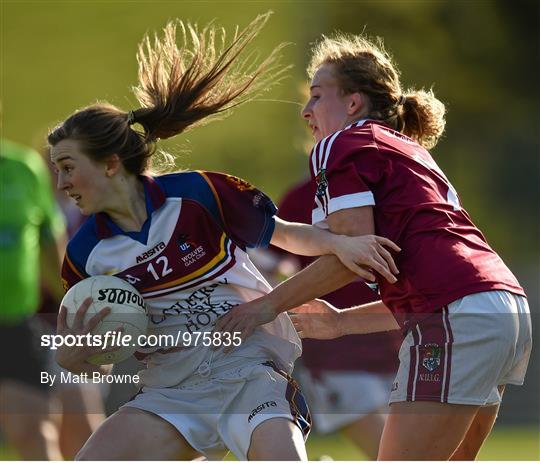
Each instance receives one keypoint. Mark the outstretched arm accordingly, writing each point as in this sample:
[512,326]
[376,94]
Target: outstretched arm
[320,320]
[357,253]
[322,277]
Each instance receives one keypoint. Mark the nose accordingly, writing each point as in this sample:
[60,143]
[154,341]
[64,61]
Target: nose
[306,111]
[61,183]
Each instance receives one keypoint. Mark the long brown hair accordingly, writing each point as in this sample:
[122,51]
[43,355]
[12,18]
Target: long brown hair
[361,64]
[180,87]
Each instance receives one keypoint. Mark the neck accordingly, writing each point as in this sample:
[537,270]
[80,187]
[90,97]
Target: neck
[128,206]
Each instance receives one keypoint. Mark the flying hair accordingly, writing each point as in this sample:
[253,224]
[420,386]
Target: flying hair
[187,78]
[187,85]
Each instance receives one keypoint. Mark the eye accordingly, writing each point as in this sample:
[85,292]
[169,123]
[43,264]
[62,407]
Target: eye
[67,169]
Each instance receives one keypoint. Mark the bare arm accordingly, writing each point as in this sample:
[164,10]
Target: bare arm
[357,253]
[301,239]
[322,277]
[327,273]
[321,320]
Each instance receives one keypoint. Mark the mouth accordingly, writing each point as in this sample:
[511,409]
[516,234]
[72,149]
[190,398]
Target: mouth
[75,197]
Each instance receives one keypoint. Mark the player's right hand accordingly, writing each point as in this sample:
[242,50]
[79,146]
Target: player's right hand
[74,358]
[317,320]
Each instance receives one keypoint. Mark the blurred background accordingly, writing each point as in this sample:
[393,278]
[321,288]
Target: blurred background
[481,58]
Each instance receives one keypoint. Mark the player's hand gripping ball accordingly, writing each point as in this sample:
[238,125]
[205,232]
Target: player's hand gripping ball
[128,310]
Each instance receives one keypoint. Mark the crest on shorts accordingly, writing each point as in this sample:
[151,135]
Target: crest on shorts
[322,183]
[431,356]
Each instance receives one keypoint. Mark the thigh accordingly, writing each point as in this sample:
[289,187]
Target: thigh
[478,432]
[366,432]
[277,439]
[425,430]
[132,434]
[268,394]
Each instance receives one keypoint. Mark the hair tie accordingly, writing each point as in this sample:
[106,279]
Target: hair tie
[401,100]
[131,117]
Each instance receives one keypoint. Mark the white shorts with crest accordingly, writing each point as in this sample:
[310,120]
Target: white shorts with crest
[463,353]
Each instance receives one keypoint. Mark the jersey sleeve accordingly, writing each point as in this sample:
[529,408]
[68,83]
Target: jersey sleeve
[246,213]
[342,176]
[71,273]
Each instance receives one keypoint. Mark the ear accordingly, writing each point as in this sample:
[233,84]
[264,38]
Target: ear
[356,103]
[112,165]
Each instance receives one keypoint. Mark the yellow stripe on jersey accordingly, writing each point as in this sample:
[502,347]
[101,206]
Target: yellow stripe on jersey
[196,273]
[215,194]
[73,268]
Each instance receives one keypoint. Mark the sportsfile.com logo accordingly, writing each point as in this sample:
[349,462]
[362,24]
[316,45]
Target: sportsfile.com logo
[261,408]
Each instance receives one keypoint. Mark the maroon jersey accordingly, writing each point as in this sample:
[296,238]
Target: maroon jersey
[444,256]
[377,352]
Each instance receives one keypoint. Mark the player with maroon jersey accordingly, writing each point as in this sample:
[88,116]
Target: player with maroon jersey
[465,316]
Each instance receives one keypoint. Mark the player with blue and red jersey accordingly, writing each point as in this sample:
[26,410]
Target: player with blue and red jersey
[181,240]
[466,318]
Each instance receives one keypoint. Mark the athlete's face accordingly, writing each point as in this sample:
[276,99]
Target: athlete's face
[328,108]
[81,178]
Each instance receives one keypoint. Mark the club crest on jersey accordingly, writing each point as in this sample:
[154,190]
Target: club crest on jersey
[431,356]
[322,183]
[185,243]
[242,185]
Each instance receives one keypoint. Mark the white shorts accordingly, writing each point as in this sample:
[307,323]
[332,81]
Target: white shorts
[221,412]
[338,398]
[462,354]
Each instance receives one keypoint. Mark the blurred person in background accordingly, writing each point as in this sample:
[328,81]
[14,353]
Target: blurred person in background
[31,244]
[346,381]
[465,314]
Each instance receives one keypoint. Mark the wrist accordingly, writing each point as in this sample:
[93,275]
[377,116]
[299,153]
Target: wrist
[340,323]
[333,241]
[271,304]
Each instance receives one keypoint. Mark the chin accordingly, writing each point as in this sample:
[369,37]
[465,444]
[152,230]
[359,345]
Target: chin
[85,211]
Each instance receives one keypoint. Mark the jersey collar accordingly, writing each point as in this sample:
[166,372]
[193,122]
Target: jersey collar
[155,198]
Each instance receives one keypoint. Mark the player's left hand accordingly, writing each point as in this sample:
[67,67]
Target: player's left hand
[244,318]
[367,253]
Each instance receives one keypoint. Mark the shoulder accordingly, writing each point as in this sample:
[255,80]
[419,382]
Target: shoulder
[354,139]
[83,242]
[208,189]
[180,184]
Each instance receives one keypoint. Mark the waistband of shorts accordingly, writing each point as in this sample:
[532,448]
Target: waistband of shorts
[214,372]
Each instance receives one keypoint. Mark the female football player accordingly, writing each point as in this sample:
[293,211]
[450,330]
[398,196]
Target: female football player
[180,239]
[465,314]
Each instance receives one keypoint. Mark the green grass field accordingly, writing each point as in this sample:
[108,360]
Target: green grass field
[505,443]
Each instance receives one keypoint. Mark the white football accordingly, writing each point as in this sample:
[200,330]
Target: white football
[128,310]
